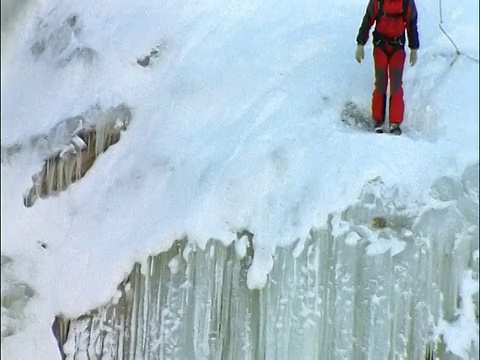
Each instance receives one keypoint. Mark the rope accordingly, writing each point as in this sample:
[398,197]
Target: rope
[457,51]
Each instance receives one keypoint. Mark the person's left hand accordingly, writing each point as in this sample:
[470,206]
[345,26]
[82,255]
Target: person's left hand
[413,57]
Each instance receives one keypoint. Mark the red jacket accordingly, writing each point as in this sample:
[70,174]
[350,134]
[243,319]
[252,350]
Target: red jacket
[390,25]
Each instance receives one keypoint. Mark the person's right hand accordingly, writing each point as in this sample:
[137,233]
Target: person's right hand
[359,53]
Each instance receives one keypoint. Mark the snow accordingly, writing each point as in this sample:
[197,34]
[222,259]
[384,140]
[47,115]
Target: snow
[235,126]
[459,334]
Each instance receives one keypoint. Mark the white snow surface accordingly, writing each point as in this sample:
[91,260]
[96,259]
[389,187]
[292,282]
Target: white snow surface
[236,125]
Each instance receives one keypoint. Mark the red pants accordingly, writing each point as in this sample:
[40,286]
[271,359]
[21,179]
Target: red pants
[388,65]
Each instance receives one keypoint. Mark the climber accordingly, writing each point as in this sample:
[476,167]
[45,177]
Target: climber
[391,18]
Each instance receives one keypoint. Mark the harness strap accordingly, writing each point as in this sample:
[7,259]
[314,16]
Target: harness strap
[382,40]
[382,13]
[398,41]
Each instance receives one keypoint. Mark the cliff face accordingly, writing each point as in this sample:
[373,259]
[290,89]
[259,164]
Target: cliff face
[351,290]
[77,154]
[200,148]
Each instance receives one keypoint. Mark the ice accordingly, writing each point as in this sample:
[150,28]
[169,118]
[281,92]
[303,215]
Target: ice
[68,151]
[15,296]
[258,224]
[352,238]
[410,297]
[78,143]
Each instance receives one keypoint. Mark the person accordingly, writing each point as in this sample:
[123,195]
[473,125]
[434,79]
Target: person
[391,18]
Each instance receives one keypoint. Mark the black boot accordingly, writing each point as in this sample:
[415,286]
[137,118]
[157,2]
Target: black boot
[395,129]
[378,127]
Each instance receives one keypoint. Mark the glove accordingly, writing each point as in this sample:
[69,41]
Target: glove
[359,53]
[413,57]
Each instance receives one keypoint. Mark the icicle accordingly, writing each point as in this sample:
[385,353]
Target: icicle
[78,166]
[50,175]
[68,169]
[145,339]
[90,146]
[60,174]
[134,316]
[100,137]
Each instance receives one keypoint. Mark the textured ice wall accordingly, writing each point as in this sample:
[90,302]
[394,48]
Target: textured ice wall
[14,298]
[84,142]
[352,290]
[11,11]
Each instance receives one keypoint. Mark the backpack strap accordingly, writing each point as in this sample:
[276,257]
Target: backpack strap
[405,7]
[380,12]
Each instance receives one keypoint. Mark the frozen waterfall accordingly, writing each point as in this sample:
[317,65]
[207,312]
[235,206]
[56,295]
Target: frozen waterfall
[352,290]
[178,183]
